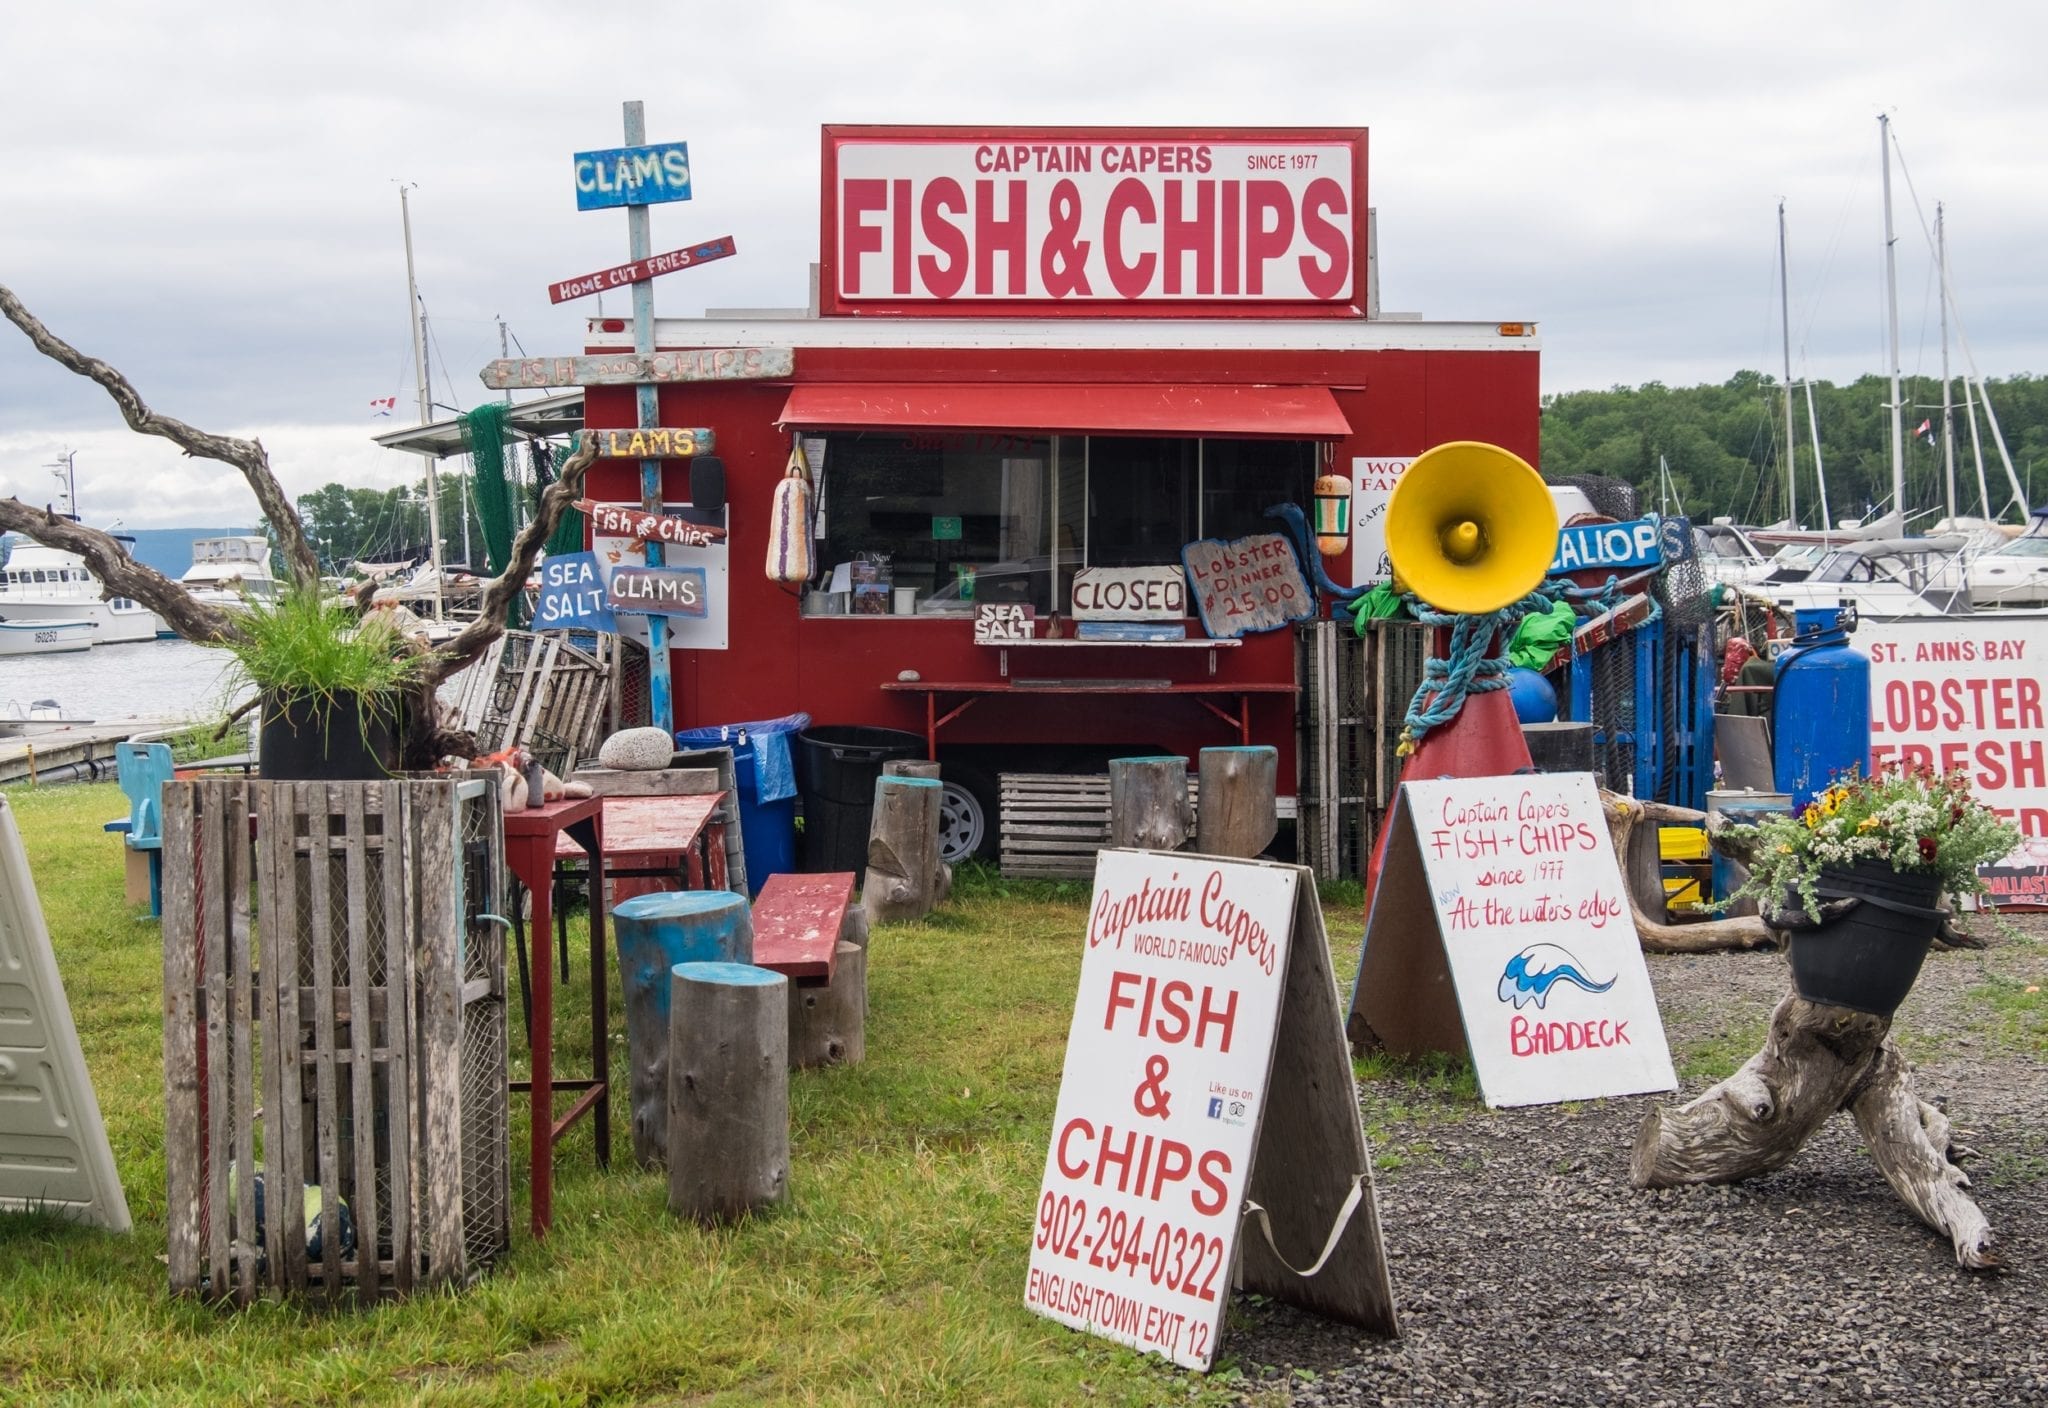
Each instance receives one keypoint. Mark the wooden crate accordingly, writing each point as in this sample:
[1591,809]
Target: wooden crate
[536,689]
[1054,823]
[334,1018]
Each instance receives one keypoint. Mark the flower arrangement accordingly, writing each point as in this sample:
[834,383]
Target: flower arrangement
[1914,820]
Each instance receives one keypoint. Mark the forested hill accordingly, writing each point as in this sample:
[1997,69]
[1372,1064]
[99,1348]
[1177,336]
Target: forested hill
[1725,444]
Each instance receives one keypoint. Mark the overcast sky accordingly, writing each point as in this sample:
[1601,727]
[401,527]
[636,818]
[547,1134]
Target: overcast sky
[206,196]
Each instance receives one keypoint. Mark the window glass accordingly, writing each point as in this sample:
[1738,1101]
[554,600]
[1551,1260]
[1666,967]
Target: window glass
[1241,479]
[1141,500]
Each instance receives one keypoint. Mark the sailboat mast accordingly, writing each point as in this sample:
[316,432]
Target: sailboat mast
[419,368]
[1820,473]
[1785,323]
[1891,285]
[1948,435]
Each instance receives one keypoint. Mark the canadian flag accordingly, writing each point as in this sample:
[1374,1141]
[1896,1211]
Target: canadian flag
[383,405]
[1926,428]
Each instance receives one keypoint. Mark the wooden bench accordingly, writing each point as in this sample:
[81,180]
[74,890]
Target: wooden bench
[797,925]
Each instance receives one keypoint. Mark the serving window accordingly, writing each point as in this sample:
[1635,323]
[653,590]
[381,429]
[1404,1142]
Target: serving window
[959,517]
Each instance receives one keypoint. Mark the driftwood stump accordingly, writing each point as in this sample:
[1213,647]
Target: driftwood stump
[1623,814]
[1819,1059]
[728,1090]
[905,878]
[1148,803]
[909,767]
[828,1025]
[1238,811]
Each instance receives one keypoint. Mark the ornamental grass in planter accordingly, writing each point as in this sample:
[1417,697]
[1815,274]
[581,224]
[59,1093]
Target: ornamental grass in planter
[332,688]
[1892,846]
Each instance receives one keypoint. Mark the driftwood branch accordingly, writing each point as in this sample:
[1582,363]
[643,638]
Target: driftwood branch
[118,573]
[1623,813]
[1819,1059]
[248,456]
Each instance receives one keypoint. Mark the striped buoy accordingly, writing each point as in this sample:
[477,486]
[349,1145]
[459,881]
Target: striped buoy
[789,522]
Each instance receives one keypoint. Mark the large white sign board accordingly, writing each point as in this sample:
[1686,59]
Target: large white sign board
[53,1148]
[1372,488]
[706,632]
[1501,924]
[1970,693]
[1192,965]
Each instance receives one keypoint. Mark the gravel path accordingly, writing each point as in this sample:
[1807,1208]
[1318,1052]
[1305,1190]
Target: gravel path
[1527,1271]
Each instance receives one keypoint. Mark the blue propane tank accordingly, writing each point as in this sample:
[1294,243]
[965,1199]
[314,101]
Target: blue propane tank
[1821,707]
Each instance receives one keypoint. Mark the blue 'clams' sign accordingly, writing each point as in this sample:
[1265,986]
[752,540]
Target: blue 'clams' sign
[572,595]
[633,176]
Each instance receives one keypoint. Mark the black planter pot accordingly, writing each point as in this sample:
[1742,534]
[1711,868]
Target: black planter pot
[343,738]
[1869,959]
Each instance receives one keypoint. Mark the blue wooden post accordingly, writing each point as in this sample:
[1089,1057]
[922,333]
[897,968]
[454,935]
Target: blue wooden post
[640,242]
[656,932]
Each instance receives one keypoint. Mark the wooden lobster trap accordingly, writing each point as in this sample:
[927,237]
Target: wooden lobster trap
[334,1036]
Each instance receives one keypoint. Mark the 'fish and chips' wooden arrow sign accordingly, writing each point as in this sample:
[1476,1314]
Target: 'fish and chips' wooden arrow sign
[615,521]
[640,368]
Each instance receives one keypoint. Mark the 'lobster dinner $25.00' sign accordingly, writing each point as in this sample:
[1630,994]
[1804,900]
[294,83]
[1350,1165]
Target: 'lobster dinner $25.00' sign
[1247,584]
[1161,1099]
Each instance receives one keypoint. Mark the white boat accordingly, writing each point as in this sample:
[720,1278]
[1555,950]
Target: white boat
[230,572]
[45,637]
[48,584]
[1883,577]
[2014,573]
[41,716]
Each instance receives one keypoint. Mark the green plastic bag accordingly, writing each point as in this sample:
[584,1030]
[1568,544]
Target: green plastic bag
[1379,604]
[1540,635]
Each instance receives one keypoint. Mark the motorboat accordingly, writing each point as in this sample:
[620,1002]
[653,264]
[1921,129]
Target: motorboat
[46,637]
[230,572]
[2015,572]
[1726,553]
[40,716]
[1880,577]
[45,584]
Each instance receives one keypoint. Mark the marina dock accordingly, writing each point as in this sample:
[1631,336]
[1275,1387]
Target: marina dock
[67,752]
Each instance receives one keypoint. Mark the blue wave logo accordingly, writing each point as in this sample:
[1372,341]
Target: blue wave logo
[1532,973]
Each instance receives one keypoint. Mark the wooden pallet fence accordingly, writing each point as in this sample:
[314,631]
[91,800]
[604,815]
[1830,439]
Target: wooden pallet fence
[334,1022]
[1054,823]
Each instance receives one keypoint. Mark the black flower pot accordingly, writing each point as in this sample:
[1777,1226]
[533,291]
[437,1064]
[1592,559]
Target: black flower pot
[339,738]
[1868,959]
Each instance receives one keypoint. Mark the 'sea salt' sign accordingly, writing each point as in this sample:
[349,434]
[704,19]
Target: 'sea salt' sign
[1639,543]
[1508,887]
[1161,1099]
[1247,584]
[572,595]
[1130,594]
[1002,622]
[1142,220]
[632,175]
[659,591]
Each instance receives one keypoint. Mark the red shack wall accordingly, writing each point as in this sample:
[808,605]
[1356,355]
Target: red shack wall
[1398,403]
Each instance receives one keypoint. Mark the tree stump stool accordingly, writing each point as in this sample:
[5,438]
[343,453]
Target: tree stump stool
[1238,812]
[655,933]
[905,878]
[728,1090]
[828,1024]
[1148,803]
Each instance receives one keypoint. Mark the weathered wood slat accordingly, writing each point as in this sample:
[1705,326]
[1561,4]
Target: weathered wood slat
[275,921]
[242,1037]
[216,1057]
[431,824]
[362,1074]
[401,1103]
[288,1168]
[184,1140]
[315,802]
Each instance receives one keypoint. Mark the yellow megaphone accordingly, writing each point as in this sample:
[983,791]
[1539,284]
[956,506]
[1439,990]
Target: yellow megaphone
[1471,527]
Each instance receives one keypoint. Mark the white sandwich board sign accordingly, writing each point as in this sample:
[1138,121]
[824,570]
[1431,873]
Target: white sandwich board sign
[53,1149]
[1500,926]
[1205,1032]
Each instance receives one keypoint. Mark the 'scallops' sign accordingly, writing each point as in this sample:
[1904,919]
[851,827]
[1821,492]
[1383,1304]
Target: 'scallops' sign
[1139,219]
[632,175]
[1161,1099]
[1639,543]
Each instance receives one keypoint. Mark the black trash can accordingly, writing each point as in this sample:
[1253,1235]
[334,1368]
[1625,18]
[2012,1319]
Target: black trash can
[837,772]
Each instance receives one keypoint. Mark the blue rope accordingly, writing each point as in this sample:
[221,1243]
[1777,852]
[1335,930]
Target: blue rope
[1467,669]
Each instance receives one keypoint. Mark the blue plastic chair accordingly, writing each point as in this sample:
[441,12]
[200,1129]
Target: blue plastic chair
[143,769]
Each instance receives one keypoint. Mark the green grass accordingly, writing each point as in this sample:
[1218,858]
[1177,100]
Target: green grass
[895,1276]
[2014,1013]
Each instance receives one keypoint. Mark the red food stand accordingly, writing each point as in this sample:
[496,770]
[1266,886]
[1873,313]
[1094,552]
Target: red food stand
[1035,352]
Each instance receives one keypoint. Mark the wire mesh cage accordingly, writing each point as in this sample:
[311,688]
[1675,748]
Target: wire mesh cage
[337,1115]
[1336,729]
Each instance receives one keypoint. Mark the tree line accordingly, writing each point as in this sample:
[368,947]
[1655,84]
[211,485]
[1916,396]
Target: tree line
[1724,445]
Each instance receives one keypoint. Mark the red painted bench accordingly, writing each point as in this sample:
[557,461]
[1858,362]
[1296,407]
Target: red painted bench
[797,919]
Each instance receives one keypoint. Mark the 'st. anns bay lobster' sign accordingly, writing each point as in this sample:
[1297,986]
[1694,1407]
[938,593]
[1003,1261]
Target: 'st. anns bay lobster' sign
[1188,222]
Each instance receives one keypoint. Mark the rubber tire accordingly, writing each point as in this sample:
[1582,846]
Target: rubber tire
[968,815]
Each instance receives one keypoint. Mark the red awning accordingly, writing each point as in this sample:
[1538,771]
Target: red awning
[1269,412]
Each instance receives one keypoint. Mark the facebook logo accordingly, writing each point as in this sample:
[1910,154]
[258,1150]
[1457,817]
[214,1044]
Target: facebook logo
[1215,1107]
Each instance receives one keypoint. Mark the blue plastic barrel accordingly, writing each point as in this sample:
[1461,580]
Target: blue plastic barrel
[1821,706]
[764,768]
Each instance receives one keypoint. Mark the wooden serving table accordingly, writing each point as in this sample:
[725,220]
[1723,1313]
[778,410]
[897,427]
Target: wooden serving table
[1204,693]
